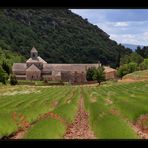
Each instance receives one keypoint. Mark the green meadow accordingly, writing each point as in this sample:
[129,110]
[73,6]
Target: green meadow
[110,106]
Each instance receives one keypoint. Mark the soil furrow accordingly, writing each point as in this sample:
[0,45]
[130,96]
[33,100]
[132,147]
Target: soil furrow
[80,129]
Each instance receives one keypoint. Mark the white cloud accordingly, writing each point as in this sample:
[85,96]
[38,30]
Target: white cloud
[126,38]
[138,39]
[121,24]
[145,35]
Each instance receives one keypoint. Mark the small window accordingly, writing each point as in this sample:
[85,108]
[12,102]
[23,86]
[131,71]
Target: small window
[33,54]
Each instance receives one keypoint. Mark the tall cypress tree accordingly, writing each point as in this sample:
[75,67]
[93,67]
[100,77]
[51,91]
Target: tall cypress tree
[6,67]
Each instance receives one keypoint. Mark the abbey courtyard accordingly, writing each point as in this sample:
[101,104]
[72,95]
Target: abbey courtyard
[37,68]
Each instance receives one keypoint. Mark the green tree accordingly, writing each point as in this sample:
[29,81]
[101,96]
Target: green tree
[142,51]
[122,70]
[99,74]
[133,57]
[132,66]
[6,67]
[144,65]
[3,76]
[126,69]
[139,50]
[90,73]
[67,37]
[13,80]
[125,59]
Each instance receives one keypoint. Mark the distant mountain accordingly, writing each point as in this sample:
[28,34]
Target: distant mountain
[132,46]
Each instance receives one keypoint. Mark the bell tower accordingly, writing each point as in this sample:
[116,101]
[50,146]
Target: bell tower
[34,53]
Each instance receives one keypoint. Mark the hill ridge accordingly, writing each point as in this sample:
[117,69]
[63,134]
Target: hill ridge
[59,35]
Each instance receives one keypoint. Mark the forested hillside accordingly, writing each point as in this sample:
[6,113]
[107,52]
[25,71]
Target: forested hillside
[59,35]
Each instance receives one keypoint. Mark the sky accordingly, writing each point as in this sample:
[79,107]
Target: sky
[123,25]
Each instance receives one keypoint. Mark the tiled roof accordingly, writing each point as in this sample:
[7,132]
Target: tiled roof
[72,67]
[109,69]
[39,59]
[46,68]
[19,67]
[33,49]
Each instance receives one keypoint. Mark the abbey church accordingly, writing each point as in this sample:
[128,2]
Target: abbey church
[36,68]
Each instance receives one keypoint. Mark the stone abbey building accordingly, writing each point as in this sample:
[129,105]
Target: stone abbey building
[36,68]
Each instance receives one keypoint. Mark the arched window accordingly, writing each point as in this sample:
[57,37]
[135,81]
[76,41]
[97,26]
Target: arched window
[33,54]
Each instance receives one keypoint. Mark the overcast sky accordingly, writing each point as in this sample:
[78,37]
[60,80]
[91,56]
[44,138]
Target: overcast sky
[123,25]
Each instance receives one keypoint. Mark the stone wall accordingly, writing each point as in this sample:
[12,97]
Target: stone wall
[33,75]
[110,75]
[73,77]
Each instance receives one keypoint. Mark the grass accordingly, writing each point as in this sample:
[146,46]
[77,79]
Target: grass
[137,75]
[128,99]
[31,105]
[46,129]
[54,129]
[38,82]
[104,124]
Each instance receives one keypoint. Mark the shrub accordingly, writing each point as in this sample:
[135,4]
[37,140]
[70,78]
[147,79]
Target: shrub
[45,81]
[13,80]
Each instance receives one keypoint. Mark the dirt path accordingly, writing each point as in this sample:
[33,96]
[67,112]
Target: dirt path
[80,129]
[18,135]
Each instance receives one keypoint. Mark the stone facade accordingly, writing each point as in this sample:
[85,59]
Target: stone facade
[36,68]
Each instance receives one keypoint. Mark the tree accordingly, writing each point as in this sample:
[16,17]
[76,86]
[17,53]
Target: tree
[133,57]
[3,76]
[132,66]
[122,70]
[126,69]
[13,80]
[90,73]
[144,65]
[99,74]
[139,50]
[6,67]
[142,51]
[125,60]
[77,40]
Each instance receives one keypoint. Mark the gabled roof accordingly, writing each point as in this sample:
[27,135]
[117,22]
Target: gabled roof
[33,49]
[72,67]
[32,60]
[109,69]
[19,67]
[32,68]
[39,59]
[46,68]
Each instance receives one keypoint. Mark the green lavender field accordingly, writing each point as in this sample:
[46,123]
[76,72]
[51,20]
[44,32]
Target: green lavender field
[111,108]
